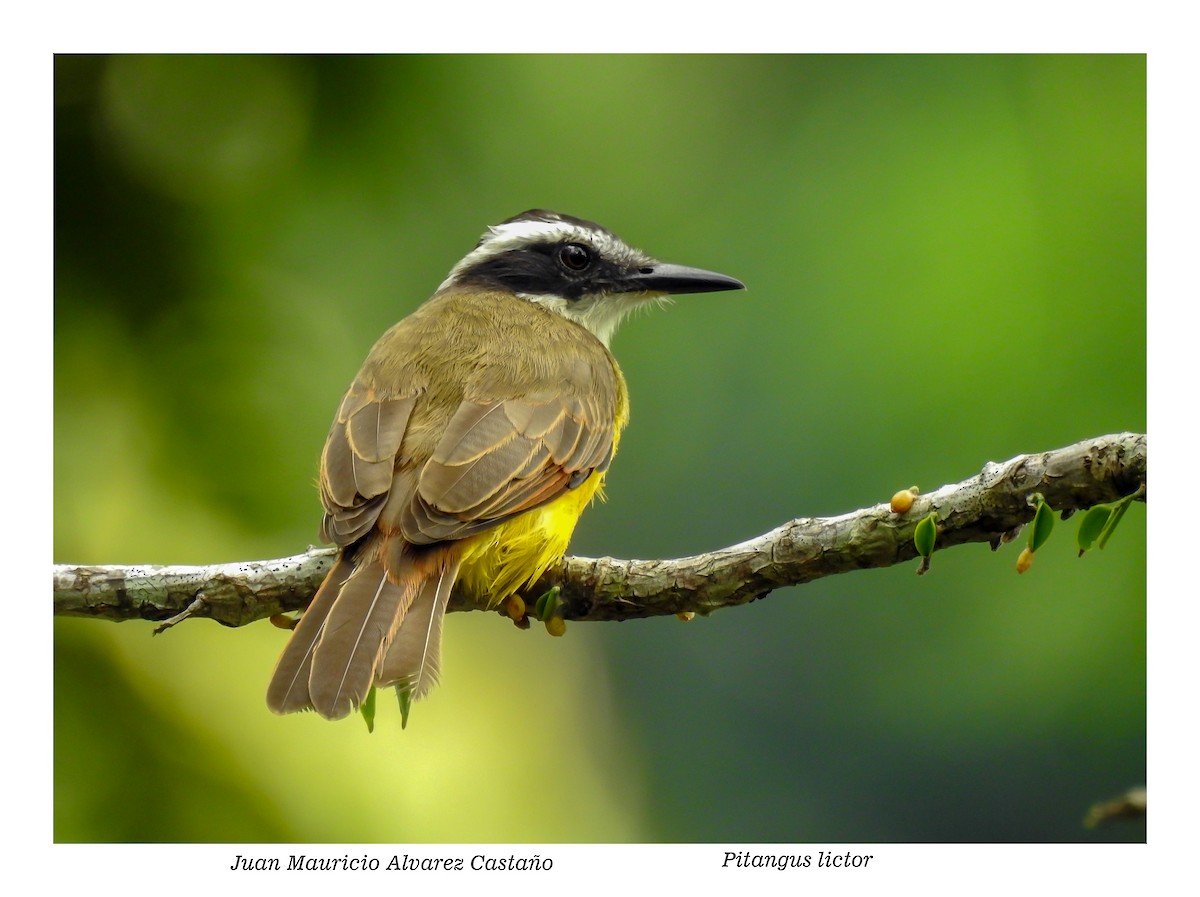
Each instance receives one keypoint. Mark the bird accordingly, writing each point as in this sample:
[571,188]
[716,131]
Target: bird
[477,431]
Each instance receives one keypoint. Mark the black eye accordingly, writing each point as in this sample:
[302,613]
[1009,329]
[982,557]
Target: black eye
[574,256]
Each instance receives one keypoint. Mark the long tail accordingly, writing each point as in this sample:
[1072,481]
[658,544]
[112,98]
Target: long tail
[368,625]
[415,656]
[288,691]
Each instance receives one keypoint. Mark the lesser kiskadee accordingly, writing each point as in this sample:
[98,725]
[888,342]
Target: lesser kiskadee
[477,431]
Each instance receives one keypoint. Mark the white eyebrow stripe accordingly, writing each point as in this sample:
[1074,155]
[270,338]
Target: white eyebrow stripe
[502,238]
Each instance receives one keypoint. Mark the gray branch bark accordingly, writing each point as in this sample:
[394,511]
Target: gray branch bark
[984,508]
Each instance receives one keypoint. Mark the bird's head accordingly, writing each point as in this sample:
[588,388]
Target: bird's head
[576,268]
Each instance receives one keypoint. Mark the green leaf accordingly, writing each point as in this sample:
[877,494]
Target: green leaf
[404,696]
[1092,525]
[545,606]
[925,534]
[1043,524]
[368,709]
[1114,518]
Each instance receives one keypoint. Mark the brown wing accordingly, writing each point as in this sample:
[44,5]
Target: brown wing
[520,414]
[499,459]
[359,460]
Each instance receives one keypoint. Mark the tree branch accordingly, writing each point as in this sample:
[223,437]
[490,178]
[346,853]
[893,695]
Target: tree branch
[984,508]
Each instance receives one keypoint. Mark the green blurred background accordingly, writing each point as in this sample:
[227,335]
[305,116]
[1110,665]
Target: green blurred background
[946,264]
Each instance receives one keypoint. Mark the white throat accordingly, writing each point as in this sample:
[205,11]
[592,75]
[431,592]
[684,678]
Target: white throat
[599,315]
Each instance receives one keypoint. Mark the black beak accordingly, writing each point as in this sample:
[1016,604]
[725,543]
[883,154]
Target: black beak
[660,277]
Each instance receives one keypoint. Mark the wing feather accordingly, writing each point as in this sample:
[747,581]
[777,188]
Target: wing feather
[358,464]
[505,457]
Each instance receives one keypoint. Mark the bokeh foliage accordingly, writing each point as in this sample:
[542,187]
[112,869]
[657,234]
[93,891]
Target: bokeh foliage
[946,260]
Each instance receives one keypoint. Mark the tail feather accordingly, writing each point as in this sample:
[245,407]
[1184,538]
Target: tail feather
[288,690]
[374,622]
[415,654]
[356,635]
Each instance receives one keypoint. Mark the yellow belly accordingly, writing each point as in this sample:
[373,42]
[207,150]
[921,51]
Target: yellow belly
[514,554]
